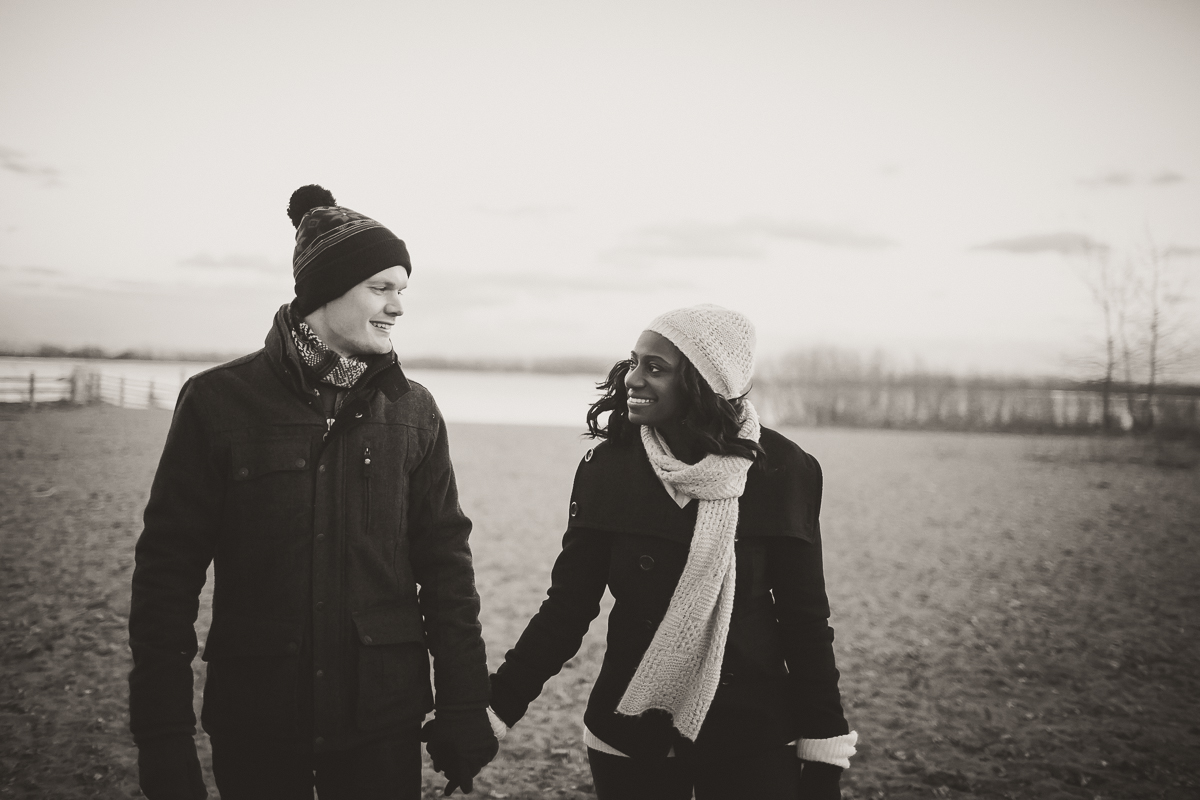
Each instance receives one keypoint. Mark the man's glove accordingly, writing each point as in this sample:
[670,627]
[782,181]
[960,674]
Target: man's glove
[460,743]
[820,781]
[169,769]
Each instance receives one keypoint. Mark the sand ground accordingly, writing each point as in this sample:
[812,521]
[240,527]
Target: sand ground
[1016,616]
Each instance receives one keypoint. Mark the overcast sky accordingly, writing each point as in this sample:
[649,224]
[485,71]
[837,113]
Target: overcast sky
[906,176]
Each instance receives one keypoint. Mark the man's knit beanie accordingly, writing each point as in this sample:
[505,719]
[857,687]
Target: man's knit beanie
[718,342]
[336,248]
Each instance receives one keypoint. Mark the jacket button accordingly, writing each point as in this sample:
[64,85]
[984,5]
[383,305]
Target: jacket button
[321,468]
[300,462]
[726,678]
[243,472]
[358,415]
[649,624]
[320,673]
[320,605]
[367,640]
[574,508]
[320,740]
[646,563]
[320,537]
[587,456]
[293,648]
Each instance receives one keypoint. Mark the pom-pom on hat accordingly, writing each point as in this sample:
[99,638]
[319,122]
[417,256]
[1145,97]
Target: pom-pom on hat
[718,342]
[336,248]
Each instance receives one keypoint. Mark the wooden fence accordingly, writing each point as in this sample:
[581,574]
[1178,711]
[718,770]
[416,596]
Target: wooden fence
[88,386]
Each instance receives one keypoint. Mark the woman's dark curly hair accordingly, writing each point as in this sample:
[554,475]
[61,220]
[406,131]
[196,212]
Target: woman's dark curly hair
[713,420]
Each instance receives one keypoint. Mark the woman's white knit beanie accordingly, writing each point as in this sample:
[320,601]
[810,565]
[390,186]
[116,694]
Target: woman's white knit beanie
[718,342]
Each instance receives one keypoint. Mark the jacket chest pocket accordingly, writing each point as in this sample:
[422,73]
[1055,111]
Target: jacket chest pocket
[379,463]
[270,487]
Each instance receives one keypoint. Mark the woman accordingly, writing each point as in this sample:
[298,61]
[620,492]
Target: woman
[719,672]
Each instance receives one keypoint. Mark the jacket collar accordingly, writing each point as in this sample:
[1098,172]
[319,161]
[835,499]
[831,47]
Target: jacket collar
[383,371]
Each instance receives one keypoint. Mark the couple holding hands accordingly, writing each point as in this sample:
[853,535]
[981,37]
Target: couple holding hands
[316,479]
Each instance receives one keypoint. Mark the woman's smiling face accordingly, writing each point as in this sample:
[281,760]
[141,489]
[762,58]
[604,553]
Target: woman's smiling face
[654,383]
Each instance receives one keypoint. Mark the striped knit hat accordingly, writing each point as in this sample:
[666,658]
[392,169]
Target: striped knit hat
[718,342]
[336,248]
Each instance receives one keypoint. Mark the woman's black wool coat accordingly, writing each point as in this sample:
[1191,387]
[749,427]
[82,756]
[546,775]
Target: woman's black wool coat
[778,681]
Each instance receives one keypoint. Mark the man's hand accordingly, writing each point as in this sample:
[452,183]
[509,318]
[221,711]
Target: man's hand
[169,769]
[460,744]
[820,781]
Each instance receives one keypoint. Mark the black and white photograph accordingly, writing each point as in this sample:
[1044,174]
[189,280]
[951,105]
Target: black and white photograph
[522,399]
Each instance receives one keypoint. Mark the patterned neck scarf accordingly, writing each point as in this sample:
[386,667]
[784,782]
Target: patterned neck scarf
[329,366]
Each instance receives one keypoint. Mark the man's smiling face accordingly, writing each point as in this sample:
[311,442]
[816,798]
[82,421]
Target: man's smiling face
[360,322]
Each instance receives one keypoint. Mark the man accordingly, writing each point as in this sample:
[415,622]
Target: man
[317,480]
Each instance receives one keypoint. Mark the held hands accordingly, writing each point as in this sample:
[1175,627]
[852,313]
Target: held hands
[169,769]
[820,781]
[460,742]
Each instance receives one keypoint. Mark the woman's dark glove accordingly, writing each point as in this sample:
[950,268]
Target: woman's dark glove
[820,781]
[460,744]
[169,769]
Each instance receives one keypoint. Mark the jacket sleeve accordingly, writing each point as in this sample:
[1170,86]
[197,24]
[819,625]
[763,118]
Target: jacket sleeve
[171,562]
[555,633]
[441,560]
[802,612]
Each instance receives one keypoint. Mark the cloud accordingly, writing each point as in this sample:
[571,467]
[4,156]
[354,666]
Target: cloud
[234,261]
[1121,180]
[17,162]
[829,235]
[1062,243]
[746,238]
[1167,178]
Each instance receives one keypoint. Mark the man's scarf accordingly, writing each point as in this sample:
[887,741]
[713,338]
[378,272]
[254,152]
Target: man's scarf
[681,668]
[330,367]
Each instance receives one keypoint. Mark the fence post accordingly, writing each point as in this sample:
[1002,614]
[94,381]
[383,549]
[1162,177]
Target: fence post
[121,392]
[150,395]
[33,390]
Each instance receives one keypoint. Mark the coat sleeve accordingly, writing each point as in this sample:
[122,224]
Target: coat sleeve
[555,633]
[802,612]
[441,560]
[171,562]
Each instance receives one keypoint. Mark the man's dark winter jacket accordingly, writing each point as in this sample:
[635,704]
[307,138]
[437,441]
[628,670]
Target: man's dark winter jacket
[778,679]
[340,561]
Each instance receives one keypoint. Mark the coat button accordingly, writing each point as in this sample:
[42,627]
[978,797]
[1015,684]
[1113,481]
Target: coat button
[358,415]
[243,472]
[649,624]
[726,678]
[367,640]
[320,673]
[300,462]
[320,537]
[646,563]
[293,648]
[587,456]
[574,508]
[321,468]
[320,605]
[320,740]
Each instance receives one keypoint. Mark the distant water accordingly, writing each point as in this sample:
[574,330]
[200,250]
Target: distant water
[518,398]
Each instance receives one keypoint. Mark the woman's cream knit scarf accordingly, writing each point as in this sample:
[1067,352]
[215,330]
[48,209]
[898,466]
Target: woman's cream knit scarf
[682,666]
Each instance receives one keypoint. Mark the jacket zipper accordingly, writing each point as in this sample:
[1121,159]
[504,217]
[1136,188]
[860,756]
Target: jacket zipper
[367,483]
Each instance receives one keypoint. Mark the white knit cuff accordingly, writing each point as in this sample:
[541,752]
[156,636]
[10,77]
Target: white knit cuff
[836,751]
[498,726]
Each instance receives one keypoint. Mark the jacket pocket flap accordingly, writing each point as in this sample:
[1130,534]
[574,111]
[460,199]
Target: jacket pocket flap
[249,637]
[379,626]
[254,458]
